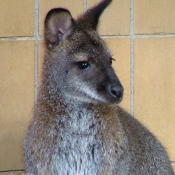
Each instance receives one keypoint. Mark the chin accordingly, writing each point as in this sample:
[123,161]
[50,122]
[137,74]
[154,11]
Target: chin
[95,99]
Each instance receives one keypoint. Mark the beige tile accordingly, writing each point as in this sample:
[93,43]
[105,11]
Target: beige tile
[17,98]
[17,18]
[115,20]
[154,88]
[173,165]
[75,7]
[13,173]
[154,16]
[120,49]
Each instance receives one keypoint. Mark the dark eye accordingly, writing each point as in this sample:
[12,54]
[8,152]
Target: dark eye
[83,65]
[111,59]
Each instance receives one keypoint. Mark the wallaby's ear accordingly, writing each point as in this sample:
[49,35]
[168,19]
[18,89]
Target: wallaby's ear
[90,19]
[58,23]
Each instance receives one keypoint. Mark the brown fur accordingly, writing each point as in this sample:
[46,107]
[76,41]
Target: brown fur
[77,127]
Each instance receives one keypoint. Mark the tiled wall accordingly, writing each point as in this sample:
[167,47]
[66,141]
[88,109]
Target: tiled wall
[141,35]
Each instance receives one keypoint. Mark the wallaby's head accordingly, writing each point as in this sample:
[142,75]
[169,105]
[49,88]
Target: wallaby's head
[78,63]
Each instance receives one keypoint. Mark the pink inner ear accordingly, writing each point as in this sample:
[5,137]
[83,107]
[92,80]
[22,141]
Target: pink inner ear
[60,32]
[60,24]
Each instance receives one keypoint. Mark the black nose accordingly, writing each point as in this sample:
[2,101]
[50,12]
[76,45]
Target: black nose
[116,92]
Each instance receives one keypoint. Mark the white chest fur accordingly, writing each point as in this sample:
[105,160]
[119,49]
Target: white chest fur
[79,149]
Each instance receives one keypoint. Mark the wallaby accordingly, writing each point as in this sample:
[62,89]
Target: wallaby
[77,128]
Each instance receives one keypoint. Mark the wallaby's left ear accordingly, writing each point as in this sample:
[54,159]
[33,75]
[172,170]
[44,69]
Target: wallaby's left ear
[89,20]
[58,24]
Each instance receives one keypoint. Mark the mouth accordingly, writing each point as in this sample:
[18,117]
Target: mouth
[113,100]
[118,100]
[117,97]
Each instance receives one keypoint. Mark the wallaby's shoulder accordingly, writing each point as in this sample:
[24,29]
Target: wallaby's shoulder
[144,146]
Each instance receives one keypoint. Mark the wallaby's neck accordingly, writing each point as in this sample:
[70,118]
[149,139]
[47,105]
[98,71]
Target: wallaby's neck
[80,128]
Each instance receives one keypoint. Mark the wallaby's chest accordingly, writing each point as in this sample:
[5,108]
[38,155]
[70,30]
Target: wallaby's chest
[80,148]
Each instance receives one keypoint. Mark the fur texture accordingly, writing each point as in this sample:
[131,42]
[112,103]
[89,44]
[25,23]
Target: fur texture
[77,128]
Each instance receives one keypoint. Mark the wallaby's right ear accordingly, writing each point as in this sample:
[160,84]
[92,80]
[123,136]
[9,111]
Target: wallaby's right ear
[58,23]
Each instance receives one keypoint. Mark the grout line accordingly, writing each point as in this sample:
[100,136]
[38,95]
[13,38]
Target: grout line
[115,36]
[84,5]
[153,35]
[9,171]
[132,61]
[18,38]
[36,38]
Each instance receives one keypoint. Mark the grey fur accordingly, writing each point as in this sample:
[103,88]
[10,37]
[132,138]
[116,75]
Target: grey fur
[77,128]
